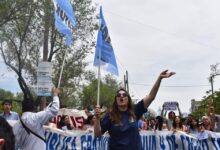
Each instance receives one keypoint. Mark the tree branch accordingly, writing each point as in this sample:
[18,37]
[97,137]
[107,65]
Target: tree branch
[7,63]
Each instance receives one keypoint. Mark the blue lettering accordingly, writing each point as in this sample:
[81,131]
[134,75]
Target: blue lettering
[54,141]
[205,143]
[86,142]
[162,145]
[153,146]
[73,143]
[89,142]
[175,146]
[144,142]
[201,145]
[66,140]
[218,141]
[83,142]
[190,143]
[104,142]
[214,143]
[169,140]
[182,141]
[148,142]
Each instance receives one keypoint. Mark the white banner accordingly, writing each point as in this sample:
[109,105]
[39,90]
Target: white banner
[76,117]
[170,105]
[159,140]
[44,79]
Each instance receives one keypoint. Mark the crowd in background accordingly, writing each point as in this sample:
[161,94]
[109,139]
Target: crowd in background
[199,128]
[162,122]
[189,124]
[170,122]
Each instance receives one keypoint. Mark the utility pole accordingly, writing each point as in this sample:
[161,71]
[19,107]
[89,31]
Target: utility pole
[211,80]
[126,82]
[215,72]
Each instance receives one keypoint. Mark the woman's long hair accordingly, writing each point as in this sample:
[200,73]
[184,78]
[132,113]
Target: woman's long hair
[159,123]
[169,114]
[197,124]
[7,134]
[180,124]
[61,124]
[114,113]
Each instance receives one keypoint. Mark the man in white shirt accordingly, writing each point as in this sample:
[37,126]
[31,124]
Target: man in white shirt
[26,140]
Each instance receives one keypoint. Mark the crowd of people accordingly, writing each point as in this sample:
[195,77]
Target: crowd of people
[189,124]
[123,121]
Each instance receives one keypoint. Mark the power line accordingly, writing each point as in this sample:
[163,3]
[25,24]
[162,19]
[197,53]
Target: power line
[171,86]
[163,31]
[123,68]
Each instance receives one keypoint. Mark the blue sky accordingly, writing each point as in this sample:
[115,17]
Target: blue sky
[8,79]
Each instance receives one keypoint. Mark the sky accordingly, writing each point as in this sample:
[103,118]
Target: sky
[149,36]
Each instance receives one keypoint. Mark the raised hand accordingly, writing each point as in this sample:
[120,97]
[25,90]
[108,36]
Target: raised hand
[166,74]
[97,112]
[56,91]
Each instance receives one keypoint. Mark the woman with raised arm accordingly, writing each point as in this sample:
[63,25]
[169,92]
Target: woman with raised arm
[122,120]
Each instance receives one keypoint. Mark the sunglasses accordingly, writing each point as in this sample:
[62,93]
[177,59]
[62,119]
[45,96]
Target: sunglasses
[121,94]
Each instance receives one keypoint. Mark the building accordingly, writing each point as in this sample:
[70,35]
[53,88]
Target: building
[194,105]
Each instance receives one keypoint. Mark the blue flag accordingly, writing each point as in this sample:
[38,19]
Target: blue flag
[64,19]
[104,45]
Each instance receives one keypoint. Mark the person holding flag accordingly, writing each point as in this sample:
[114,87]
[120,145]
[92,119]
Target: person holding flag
[122,120]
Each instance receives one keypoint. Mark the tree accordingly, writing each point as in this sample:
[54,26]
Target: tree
[16,99]
[5,95]
[203,108]
[13,44]
[9,10]
[32,30]
[108,87]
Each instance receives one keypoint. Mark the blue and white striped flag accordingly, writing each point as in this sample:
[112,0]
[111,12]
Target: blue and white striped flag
[64,19]
[103,44]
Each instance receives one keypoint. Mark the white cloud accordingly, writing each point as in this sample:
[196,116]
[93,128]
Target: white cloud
[150,36]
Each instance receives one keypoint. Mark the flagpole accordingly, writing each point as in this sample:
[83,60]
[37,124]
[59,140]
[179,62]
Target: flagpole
[61,72]
[64,7]
[99,77]
[104,53]
[99,71]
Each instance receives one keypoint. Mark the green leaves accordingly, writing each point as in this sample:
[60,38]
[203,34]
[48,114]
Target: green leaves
[108,87]
[28,35]
[203,108]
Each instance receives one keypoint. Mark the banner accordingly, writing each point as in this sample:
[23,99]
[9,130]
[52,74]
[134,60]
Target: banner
[159,140]
[104,49]
[76,117]
[170,105]
[44,79]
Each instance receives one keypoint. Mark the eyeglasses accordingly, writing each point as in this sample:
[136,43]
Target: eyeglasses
[121,94]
